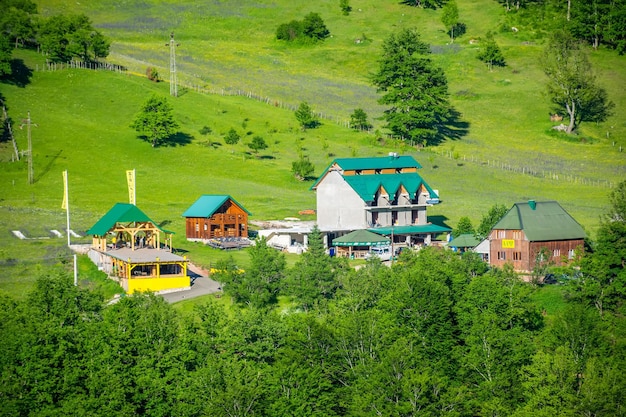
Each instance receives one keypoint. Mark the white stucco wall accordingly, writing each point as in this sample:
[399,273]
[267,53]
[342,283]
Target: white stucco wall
[339,207]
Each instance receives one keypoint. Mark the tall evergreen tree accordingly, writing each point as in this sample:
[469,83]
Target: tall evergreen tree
[490,53]
[414,87]
[313,277]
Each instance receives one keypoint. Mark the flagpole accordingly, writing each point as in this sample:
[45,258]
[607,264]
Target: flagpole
[66,200]
[134,186]
[132,190]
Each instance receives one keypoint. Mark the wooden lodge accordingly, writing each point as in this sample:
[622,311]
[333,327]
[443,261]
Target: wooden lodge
[532,232]
[214,217]
[136,252]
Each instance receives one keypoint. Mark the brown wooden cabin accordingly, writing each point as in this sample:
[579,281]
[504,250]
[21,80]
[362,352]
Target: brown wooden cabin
[216,216]
[535,232]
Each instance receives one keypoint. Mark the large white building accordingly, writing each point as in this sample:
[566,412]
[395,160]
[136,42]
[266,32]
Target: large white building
[385,195]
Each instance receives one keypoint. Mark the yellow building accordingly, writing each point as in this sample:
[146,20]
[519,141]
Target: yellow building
[137,253]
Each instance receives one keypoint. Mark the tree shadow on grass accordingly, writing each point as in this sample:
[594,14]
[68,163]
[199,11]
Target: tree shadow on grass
[178,139]
[20,74]
[259,156]
[439,220]
[49,165]
[454,129]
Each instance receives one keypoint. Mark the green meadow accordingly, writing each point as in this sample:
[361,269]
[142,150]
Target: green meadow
[82,121]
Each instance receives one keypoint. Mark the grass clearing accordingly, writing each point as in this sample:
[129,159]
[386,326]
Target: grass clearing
[83,120]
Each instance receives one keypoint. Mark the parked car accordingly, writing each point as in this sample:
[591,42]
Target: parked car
[381,252]
[401,249]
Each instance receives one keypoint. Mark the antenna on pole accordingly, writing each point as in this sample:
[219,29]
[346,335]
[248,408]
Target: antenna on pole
[29,123]
[173,80]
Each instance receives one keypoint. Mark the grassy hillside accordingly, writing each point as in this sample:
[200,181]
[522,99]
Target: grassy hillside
[83,120]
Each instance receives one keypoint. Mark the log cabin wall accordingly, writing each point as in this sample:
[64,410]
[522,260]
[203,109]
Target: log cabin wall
[510,246]
[229,221]
[559,252]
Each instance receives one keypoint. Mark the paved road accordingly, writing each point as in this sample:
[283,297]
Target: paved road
[201,284]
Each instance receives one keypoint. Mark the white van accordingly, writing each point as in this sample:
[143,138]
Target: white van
[381,252]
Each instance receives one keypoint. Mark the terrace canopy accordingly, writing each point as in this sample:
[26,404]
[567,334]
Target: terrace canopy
[358,243]
[361,238]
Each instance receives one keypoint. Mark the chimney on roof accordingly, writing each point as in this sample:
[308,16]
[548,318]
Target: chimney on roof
[532,204]
[393,155]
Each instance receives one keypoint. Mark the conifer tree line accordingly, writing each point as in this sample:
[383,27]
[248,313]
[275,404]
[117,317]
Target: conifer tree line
[436,334]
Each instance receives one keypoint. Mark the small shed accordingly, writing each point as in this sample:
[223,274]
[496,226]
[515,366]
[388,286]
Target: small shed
[357,243]
[463,243]
[216,216]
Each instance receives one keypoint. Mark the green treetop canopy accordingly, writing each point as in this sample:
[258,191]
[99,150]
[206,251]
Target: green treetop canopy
[361,238]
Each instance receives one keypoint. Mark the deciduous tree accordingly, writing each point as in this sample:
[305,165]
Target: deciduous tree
[232,138]
[493,216]
[302,168]
[604,270]
[65,37]
[358,120]
[571,82]
[156,121]
[463,227]
[257,144]
[450,17]
[6,55]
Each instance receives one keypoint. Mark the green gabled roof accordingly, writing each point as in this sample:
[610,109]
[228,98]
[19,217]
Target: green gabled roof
[466,240]
[208,204]
[119,213]
[366,186]
[384,162]
[361,238]
[541,221]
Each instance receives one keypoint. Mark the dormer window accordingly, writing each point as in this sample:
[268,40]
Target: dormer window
[358,172]
[378,171]
[398,170]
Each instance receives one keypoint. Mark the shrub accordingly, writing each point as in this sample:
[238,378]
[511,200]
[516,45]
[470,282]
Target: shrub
[152,74]
[302,168]
[311,28]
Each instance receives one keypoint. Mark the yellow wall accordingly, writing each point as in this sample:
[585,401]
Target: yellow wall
[157,284]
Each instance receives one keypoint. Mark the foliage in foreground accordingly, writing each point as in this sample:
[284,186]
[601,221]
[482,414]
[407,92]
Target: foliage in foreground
[434,332]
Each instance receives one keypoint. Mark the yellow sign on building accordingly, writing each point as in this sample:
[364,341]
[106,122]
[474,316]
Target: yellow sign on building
[508,243]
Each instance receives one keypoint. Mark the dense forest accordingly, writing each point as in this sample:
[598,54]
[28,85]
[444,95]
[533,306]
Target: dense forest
[434,334]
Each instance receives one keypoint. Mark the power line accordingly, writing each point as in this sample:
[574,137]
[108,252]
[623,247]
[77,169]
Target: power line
[173,81]
[29,123]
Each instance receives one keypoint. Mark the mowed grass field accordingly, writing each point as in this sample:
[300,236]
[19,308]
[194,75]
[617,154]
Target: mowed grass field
[83,120]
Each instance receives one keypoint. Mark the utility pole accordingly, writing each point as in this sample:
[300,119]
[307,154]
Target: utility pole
[173,80]
[29,123]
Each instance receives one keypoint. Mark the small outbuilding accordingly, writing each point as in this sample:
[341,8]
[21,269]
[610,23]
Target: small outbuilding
[132,249]
[216,216]
[463,243]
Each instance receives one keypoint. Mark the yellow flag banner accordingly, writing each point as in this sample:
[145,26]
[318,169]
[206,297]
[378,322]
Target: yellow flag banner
[64,204]
[130,178]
